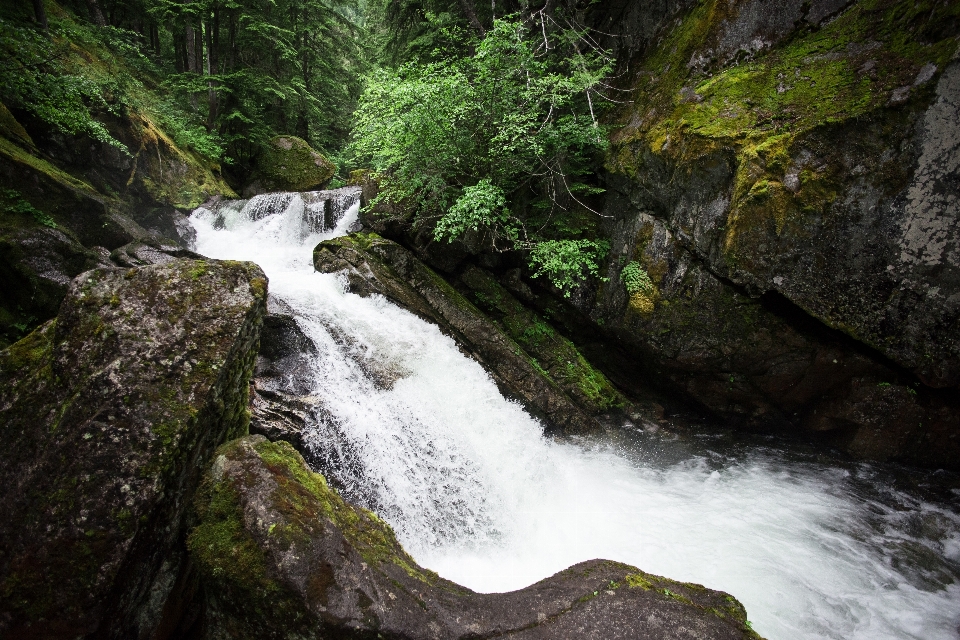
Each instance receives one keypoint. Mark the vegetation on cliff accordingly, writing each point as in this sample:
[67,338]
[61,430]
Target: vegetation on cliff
[495,142]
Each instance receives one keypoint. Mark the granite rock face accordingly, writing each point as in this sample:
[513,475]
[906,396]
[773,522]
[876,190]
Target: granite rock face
[282,556]
[109,414]
[787,180]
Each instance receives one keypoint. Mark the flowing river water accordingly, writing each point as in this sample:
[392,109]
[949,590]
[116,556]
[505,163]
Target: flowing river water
[813,547]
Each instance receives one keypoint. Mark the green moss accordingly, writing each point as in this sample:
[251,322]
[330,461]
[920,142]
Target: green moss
[198,269]
[760,109]
[287,163]
[638,581]
[305,496]
[223,548]
[551,354]
[31,353]
[258,286]
[18,155]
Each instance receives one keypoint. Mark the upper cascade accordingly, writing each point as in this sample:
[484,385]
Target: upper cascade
[307,212]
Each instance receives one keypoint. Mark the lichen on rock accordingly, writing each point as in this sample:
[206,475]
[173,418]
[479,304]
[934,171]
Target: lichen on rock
[108,415]
[792,161]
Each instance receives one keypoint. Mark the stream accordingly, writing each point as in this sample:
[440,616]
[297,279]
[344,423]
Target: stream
[814,547]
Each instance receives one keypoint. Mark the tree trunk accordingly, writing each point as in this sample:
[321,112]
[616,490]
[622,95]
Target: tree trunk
[155,39]
[198,47]
[232,45]
[40,11]
[179,51]
[213,46]
[467,6]
[191,49]
[96,15]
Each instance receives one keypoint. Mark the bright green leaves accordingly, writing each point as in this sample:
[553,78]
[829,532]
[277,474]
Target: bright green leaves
[565,262]
[482,207]
[12,202]
[636,279]
[34,77]
[461,141]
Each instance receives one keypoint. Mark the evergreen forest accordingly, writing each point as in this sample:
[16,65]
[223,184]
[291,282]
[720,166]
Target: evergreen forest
[485,122]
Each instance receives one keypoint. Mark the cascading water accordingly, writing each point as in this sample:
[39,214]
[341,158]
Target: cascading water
[410,427]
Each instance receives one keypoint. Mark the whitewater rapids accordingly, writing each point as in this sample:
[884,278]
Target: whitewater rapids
[474,491]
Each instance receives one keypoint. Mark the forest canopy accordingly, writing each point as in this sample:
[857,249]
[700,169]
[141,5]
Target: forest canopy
[483,120]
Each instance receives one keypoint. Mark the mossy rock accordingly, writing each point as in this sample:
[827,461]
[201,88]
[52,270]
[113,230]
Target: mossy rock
[11,129]
[806,149]
[282,555]
[552,354]
[108,415]
[288,163]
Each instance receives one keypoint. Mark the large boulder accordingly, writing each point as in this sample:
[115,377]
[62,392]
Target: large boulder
[281,555]
[288,163]
[108,415]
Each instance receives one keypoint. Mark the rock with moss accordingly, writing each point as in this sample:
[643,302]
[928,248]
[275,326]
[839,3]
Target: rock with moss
[281,555]
[37,265]
[761,363]
[108,415]
[785,171]
[100,195]
[816,151]
[555,355]
[288,163]
[373,264]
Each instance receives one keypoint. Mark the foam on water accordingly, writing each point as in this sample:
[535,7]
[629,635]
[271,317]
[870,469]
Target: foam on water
[410,427]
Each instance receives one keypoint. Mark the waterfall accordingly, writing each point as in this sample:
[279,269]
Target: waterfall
[405,424]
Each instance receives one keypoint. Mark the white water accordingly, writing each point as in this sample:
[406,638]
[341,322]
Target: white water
[476,493]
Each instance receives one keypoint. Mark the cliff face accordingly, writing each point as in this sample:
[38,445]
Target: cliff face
[785,181]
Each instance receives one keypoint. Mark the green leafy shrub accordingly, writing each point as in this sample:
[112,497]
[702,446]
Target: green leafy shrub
[11,201]
[35,78]
[495,142]
[564,262]
[636,279]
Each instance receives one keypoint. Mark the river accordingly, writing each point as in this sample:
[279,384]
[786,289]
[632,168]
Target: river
[814,547]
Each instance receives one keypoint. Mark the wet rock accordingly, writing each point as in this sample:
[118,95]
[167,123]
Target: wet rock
[144,252]
[372,265]
[282,555]
[281,407]
[109,414]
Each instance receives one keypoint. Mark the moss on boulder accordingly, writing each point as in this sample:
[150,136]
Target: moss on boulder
[551,352]
[108,415]
[781,143]
[283,556]
[288,163]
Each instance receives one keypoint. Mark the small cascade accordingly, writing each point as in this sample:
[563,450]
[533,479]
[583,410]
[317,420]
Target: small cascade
[409,426]
[304,213]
